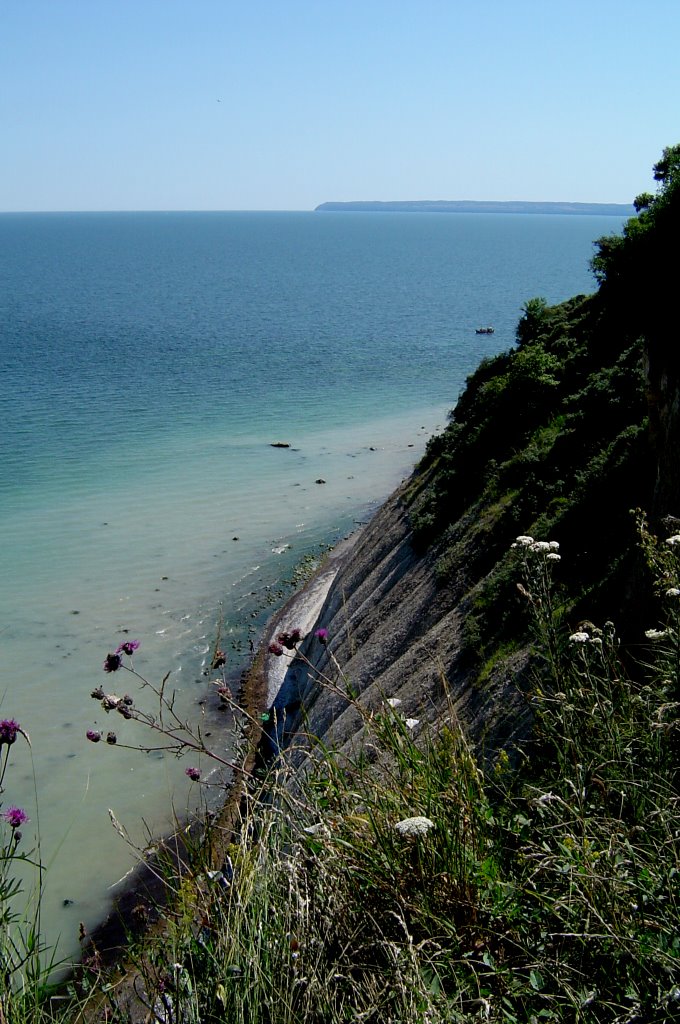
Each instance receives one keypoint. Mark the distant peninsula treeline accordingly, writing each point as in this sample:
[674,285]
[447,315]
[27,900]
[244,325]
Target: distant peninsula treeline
[474,206]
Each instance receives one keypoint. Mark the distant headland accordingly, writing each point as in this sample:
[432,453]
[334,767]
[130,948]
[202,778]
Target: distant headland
[474,206]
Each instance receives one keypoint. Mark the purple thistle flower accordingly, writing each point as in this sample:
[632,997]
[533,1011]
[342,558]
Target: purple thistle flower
[322,636]
[276,649]
[112,662]
[111,738]
[15,816]
[128,647]
[289,640]
[8,731]
[93,735]
[193,773]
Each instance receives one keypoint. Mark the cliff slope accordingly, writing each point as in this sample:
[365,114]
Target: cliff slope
[559,438]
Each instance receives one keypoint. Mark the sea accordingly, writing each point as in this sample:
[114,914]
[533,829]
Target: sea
[149,364]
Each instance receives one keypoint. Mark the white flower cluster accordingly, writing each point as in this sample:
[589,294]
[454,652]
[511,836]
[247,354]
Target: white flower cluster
[673,592]
[549,548]
[656,634]
[582,637]
[674,540]
[417,826]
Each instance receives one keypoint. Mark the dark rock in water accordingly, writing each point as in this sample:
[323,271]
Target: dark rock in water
[319,481]
[279,444]
[234,538]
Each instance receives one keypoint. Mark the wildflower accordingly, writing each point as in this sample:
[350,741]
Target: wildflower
[656,634]
[276,649]
[579,638]
[673,592]
[540,545]
[411,723]
[193,773]
[111,738]
[112,662]
[98,693]
[93,735]
[393,702]
[554,545]
[322,636]
[552,556]
[524,541]
[8,731]
[289,640]
[417,826]
[15,816]
[110,701]
[675,539]
[128,647]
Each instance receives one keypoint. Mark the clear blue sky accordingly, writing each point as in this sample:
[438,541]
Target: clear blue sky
[283,104]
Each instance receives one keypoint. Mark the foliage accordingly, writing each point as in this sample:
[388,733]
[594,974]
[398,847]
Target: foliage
[407,883]
[560,423]
[25,962]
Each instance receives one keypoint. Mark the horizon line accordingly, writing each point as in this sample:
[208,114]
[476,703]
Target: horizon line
[317,209]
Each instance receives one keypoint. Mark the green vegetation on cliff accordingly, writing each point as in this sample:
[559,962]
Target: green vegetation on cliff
[564,434]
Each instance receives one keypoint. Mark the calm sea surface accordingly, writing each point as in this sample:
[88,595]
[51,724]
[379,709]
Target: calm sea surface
[148,361]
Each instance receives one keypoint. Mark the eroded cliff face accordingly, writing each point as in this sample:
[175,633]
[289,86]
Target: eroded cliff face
[394,633]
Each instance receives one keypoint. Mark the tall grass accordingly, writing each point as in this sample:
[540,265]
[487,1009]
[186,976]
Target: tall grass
[413,881]
[403,883]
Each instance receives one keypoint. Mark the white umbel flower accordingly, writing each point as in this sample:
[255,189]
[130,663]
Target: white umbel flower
[579,637]
[417,826]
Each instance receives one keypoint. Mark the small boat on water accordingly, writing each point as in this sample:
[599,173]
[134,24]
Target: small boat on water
[485,330]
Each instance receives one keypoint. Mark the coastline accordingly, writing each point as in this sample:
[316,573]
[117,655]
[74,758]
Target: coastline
[141,892]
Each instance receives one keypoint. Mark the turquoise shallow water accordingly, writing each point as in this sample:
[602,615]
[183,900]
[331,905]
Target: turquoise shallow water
[148,361]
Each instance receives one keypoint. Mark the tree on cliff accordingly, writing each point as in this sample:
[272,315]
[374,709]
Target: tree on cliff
[638,282]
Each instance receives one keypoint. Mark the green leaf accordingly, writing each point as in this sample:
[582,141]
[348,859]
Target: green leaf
[536,980]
